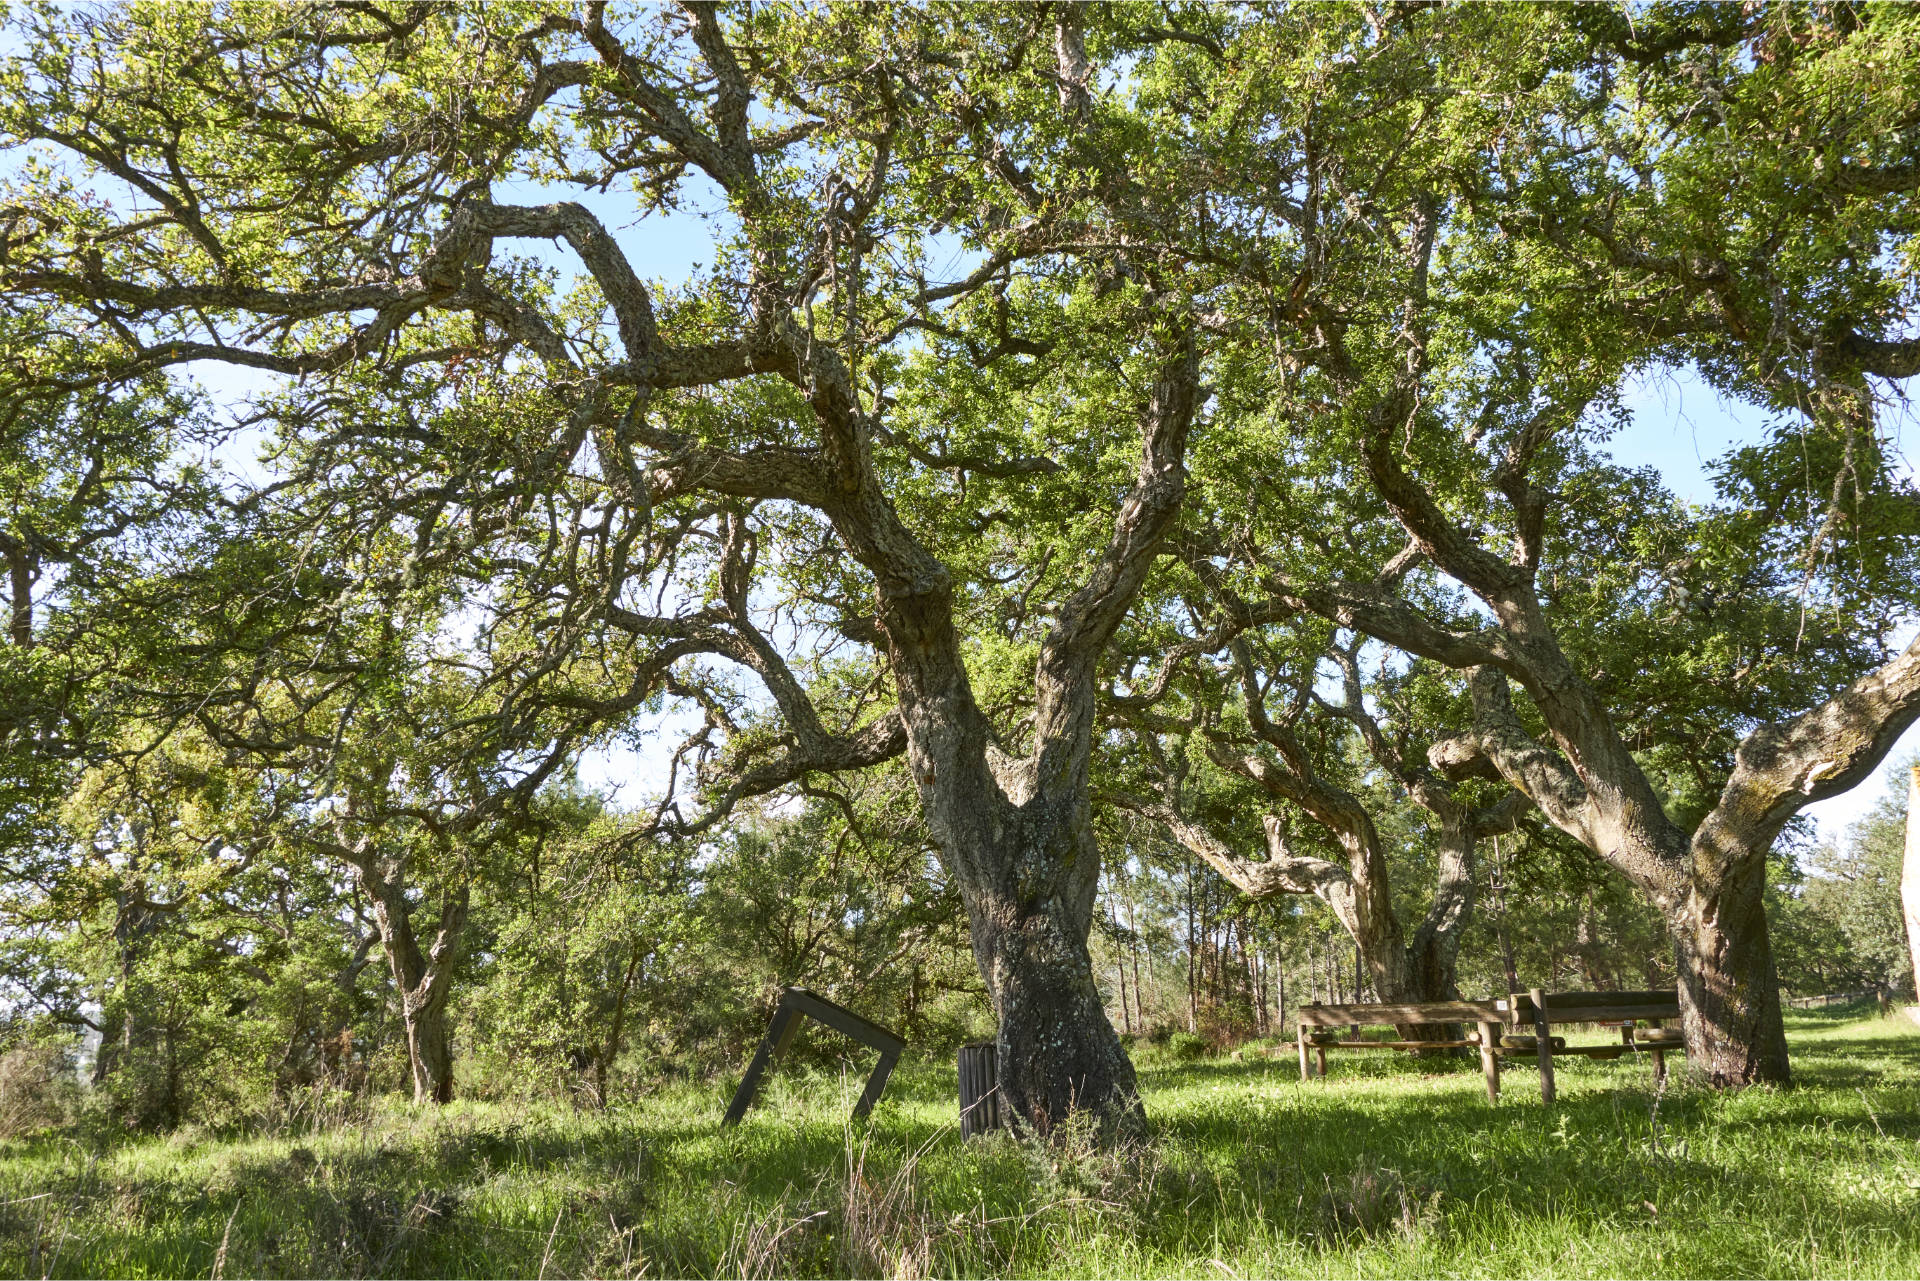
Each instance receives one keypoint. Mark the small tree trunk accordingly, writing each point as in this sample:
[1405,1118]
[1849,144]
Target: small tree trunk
[1223,979]
[1280,981]
[1193,958]
[422,979]
[1256,996]
[611,1047]
[1729,990]
[1264,982]
[1133,944]
[1208,985]
[20,574]
[1507,965]
[430,1051]
[1910,876]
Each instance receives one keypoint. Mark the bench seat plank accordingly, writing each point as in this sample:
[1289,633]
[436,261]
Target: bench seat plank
[1575,1000]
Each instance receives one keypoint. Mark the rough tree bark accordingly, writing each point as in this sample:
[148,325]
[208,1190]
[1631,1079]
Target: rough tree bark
[1729,989]
[1433,953]
[20,576]
[1584,779]
[1017,832]
[1709,883]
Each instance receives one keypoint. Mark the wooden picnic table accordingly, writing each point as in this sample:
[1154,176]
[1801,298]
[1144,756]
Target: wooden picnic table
[1520,1026]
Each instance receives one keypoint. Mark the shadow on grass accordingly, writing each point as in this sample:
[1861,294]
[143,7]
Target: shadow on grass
[1386,1165]
[1604,1153]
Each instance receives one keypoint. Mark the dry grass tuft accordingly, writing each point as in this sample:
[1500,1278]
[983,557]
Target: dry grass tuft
[1377,1200]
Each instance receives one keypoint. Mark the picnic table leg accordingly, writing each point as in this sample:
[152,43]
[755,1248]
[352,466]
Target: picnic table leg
[1490,1059]
[1659,1058]
[1321,1051]
[1306,1069]
[1543,1043]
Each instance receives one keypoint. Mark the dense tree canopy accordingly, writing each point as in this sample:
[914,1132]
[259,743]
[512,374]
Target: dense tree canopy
[1082,434]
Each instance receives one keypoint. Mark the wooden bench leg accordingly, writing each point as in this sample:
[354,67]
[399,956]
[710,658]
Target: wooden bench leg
[1306,1070]
[1490,1059]
[1543,1043]
[1659,1058]
[1322,1052]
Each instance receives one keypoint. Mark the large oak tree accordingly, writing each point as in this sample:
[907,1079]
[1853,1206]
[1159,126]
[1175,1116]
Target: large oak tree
[1715,186]
[332,195]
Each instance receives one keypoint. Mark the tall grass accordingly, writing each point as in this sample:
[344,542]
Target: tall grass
[1386,1168]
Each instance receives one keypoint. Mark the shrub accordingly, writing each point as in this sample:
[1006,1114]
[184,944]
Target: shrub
[1185,1045]
[37,1090]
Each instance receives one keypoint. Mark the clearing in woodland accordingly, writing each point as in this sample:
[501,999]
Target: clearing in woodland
[1384,1169]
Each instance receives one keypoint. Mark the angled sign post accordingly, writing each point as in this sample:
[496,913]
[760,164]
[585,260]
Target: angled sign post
[794,1002]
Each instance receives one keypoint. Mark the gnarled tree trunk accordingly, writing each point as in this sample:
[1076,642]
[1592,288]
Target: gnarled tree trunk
[430,1047]
[1729,990]
[1709,885]
[1016,833]
[1583,776]
[1057,1049]
[1420,969]
[1433,956]
[1027,867]
[1434,953]
[422,980]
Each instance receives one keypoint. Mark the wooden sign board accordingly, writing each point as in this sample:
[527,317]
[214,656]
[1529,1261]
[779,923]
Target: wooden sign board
[794,1002]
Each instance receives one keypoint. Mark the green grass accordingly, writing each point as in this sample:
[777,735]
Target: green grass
[1381,1170]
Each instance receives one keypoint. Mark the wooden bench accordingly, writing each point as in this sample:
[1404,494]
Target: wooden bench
[1519,1027]
[1527,1029]
[1483,1015]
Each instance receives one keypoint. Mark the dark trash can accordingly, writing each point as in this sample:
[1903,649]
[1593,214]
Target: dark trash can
[979,1091]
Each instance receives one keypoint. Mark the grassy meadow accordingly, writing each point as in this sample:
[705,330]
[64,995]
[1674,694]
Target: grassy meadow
[1386,1168]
